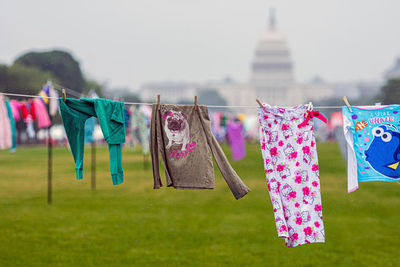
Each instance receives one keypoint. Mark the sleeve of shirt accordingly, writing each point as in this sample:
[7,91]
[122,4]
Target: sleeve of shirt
[154,148]
[236,185]
[352,178]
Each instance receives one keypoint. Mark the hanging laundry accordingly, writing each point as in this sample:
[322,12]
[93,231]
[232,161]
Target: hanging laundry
[144,129]
[13,128]
[373,144]
[27,117]
[224,120]
[41,114]
[321,131]
[250,126]
[236,140]
[147,110]
[216,128]
[336,127]
[25,111]
[183,136]
[90,124]
[5,126]
[291,167]
[127,117]
[139,129]
[15,107]
[45,93]
[241,117]
[31,108]
[74,113]
[53,101]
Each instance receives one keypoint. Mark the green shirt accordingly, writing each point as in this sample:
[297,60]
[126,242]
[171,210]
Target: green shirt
[74,113]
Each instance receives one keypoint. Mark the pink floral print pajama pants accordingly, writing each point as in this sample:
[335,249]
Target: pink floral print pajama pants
[291,167]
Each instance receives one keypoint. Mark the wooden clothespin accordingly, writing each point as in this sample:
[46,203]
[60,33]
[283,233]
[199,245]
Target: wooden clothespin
[347,103]
[158,102]
[309,106]
[64,95]
[195,102]
[259,103]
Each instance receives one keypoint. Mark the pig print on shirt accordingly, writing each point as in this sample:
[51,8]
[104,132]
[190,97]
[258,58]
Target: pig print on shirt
[176,128]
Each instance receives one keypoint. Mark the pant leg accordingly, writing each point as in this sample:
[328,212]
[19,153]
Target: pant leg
[274,185]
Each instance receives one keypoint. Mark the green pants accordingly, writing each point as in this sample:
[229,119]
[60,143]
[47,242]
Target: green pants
[74,113]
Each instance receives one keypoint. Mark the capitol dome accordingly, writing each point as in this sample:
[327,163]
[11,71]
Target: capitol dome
[272,68]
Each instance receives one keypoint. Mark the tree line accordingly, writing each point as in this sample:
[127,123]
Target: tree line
[30,71]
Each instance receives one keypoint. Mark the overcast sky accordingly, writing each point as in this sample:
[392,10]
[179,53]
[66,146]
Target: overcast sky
[127,43]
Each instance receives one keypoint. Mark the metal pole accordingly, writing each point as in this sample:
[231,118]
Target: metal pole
[49,160]
[93,166]
[49,164]
[50,169]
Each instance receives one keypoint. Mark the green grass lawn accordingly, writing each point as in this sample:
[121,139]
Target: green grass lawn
[133,224]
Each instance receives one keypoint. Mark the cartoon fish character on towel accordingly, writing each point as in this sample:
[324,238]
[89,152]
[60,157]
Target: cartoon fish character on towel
[383,153]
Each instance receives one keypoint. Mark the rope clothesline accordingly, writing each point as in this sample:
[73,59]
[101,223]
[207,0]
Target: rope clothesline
[146,103]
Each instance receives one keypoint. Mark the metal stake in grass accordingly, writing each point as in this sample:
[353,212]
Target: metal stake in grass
[49,163]
[93,166]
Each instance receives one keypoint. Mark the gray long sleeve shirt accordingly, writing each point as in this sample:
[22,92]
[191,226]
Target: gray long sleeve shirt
[183,137]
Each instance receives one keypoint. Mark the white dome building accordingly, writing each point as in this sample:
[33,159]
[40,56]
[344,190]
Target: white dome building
[272,78]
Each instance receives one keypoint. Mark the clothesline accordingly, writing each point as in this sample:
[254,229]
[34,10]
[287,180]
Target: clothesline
[69,91]
[147,103]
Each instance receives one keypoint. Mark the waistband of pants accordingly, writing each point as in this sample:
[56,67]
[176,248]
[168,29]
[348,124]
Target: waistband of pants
[296,112]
